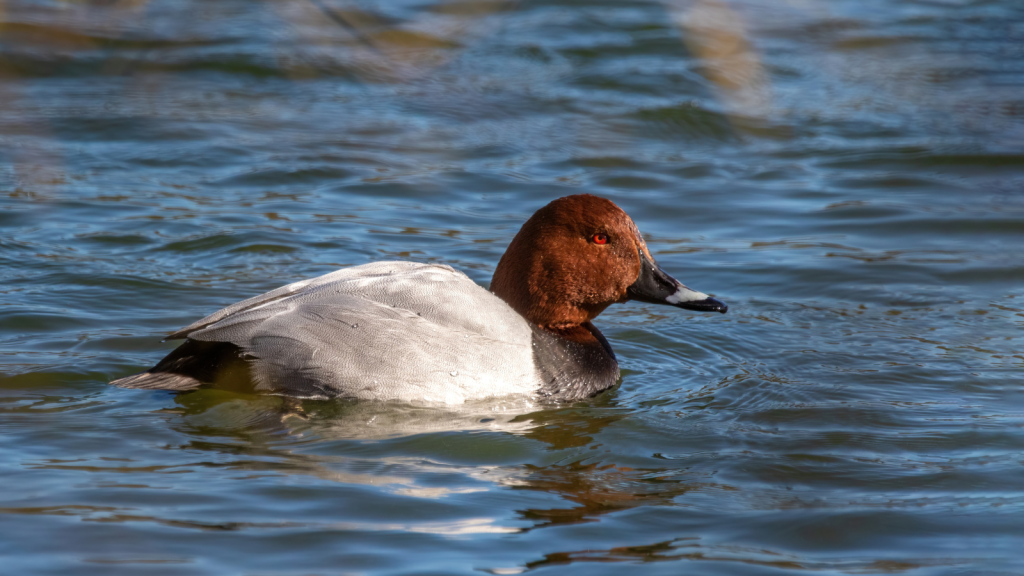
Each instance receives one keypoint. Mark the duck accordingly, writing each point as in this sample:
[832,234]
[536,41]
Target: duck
[423,332]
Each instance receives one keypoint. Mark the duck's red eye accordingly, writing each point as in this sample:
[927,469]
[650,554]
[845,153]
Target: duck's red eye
[600,238]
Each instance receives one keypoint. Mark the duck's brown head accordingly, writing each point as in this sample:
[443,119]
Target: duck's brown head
[578,255]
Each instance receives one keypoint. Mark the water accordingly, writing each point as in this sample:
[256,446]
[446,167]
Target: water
[846,175]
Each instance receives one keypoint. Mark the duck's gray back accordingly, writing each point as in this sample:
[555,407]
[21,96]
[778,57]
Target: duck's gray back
[387,330]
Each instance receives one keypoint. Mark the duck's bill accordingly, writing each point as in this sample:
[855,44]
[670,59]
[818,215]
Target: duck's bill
[657,287]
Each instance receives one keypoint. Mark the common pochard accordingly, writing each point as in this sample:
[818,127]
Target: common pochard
[426,332]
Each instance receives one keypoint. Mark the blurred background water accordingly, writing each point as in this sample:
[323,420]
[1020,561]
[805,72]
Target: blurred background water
[847,175]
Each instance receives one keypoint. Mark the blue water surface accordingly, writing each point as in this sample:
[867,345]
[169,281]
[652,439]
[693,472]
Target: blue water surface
[847,175]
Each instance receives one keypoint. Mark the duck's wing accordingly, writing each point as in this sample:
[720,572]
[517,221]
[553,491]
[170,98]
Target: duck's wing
[389,330]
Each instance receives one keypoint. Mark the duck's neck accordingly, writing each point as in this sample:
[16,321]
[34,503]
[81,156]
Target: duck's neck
[575,362]
[573,356]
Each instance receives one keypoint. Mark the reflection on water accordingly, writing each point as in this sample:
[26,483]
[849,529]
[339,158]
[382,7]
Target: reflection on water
[593,488]
[353,420]
[846,175]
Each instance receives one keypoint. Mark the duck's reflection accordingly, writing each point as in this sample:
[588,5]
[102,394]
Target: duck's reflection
[370,444]
[557,426]
[245,414]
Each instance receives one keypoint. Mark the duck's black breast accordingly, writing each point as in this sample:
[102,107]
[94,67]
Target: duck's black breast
[574,368]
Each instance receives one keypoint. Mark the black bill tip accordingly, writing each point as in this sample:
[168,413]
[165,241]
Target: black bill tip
[706,305]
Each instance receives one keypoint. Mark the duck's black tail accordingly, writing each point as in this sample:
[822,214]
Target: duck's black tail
[193,365]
